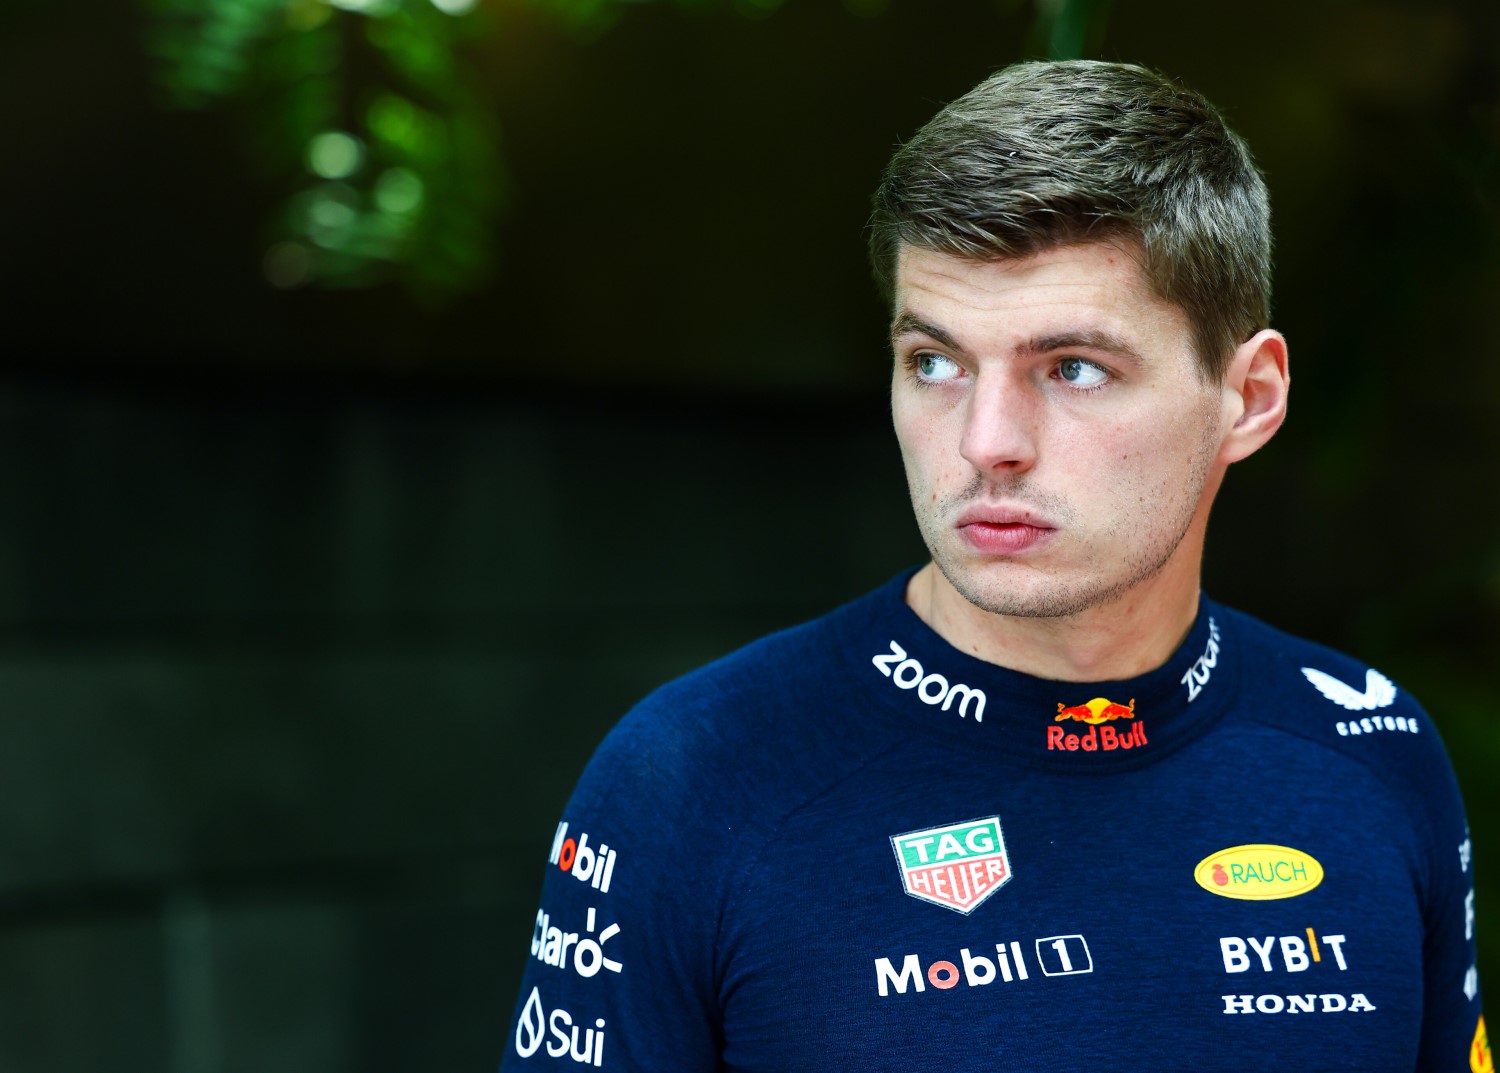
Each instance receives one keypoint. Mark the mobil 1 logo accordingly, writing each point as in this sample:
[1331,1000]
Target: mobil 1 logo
[1056,955]
[584,863]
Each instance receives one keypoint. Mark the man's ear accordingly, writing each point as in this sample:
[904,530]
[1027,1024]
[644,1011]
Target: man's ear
[1255,391]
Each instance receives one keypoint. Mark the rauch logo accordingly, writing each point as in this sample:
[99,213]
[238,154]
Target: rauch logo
[1258,872]
[957,866]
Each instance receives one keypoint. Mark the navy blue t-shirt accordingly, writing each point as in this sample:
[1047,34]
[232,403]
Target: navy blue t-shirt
[852,846]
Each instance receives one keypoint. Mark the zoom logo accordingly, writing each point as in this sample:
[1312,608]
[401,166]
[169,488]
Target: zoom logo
[932,688]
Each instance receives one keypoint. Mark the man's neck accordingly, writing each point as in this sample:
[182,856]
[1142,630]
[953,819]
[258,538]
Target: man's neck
[1128,637]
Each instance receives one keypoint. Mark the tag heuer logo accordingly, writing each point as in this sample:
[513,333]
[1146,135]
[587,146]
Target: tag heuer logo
[957,866]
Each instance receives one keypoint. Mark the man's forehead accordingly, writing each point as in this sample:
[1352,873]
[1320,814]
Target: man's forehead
[1113,269]
[923,260]
[1091,294]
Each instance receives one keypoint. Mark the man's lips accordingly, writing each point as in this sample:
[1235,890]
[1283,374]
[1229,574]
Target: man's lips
[999,515]
[1003,530]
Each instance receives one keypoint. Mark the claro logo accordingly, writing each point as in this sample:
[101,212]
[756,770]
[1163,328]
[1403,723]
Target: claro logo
[933,688]
[550,945]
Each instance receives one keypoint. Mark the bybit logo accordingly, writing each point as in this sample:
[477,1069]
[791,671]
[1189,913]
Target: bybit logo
[1296,955]
[1290,954]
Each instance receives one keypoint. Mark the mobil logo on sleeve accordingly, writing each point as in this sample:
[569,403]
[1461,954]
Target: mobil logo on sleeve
[585,863]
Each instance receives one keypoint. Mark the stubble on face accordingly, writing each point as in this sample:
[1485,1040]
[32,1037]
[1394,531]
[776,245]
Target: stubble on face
[1020,589]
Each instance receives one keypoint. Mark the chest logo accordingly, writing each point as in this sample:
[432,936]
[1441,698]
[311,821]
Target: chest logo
[1379,690]
[1202,670]
[1100,736]
[932,688]
[957,866]
[1258,872]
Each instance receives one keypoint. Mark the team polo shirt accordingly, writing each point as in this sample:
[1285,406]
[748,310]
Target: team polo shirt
[851,846]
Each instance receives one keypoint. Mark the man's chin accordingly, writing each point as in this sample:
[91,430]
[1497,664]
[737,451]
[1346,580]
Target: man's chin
[1016,591]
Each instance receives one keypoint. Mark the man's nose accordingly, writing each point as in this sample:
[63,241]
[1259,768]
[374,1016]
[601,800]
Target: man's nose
[1000,427]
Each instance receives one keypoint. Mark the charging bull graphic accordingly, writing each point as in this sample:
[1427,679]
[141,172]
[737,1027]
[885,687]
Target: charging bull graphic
[1100,737]
[1097,711]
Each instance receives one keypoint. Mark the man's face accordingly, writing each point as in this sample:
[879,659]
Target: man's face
[1061,448]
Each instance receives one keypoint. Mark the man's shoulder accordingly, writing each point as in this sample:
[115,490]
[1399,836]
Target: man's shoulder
[1277,659]
[1309,689]
[783,683]
[765,721]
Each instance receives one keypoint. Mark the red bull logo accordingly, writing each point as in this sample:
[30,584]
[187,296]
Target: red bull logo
[1100,736]
[1098,710]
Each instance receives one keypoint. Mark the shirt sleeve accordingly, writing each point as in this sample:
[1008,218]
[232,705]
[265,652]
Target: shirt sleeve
[1452,1022]
[620,972]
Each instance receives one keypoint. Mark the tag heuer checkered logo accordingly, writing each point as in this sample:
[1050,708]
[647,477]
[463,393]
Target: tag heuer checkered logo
[957,866]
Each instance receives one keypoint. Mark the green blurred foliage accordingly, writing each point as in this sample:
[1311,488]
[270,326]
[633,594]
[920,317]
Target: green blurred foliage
[366,112]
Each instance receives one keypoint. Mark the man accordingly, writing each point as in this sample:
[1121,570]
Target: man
[1039,805]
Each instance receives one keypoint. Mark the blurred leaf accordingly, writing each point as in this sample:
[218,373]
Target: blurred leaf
[376,95]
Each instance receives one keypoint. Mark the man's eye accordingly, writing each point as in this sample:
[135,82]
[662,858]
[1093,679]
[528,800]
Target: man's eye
[1081,373]
[936,368]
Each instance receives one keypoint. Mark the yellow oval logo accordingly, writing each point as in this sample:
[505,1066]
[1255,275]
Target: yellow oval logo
[1258,873]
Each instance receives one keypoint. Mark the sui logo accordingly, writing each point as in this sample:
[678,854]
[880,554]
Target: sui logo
[536,1024]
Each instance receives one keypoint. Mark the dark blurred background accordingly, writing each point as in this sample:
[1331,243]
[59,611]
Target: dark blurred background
[397,390]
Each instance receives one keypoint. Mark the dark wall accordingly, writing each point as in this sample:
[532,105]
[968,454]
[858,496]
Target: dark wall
[297,678]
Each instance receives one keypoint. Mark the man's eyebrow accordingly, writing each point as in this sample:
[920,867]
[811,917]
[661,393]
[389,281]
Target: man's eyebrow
[908,323]
[1086,339]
